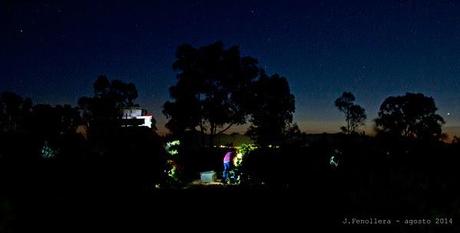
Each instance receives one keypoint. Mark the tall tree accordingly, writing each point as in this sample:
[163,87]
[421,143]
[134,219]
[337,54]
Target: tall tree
[412,116]
[104,109]
[273,106]
[355,115]
[212,84]
[51,122]
[13,111]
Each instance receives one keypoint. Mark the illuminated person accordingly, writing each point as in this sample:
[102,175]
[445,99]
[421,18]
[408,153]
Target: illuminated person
[228,158]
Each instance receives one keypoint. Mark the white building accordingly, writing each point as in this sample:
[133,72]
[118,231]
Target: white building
[136,117]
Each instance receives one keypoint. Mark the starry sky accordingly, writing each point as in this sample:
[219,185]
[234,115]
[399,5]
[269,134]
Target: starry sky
[52,51]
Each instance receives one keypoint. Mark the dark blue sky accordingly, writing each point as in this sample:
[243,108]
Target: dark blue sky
[52,51]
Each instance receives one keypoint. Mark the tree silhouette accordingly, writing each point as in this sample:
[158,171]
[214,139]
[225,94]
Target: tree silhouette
[273,106]
[294,136]
[54,128]
[410,116]
[184,113]
[13,111]
[50,122]
[212,85]
[456,140]
[104,109]
[355,115]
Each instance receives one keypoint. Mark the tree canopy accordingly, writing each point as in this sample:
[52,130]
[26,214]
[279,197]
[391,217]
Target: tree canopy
[212,85]
[52,121]
[108,100]
[411,116]
[355,115]
[13,111]
[273,106]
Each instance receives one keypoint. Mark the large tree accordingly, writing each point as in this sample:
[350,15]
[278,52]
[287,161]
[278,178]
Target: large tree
[411,116]
[13,111]
[272,111]
[50,122]
[212,85]
[110,97]
[355,115]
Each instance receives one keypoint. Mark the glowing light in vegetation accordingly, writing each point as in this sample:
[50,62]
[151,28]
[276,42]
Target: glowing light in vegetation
[238,160]
[47,152]
[245,148]
[172,147]
[172,169]
[241,152]
[333,161]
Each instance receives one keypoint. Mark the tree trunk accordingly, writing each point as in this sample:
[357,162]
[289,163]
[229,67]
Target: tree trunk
[212,134]
[203,138]
[226,128]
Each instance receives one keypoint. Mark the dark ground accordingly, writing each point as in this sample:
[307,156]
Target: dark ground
[82,207]
[301,193]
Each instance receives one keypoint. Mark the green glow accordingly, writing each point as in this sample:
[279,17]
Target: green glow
[333,161]
[172,169]
[172,147]
[238,160]
[245,148]
[241,152]
[47,152]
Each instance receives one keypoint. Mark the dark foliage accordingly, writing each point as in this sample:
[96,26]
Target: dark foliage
[272,111]
[355,115]
[212,84]
[411,116]
[406,170]
[13,111]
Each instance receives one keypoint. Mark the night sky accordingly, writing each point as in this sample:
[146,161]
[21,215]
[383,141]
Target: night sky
[52,51]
